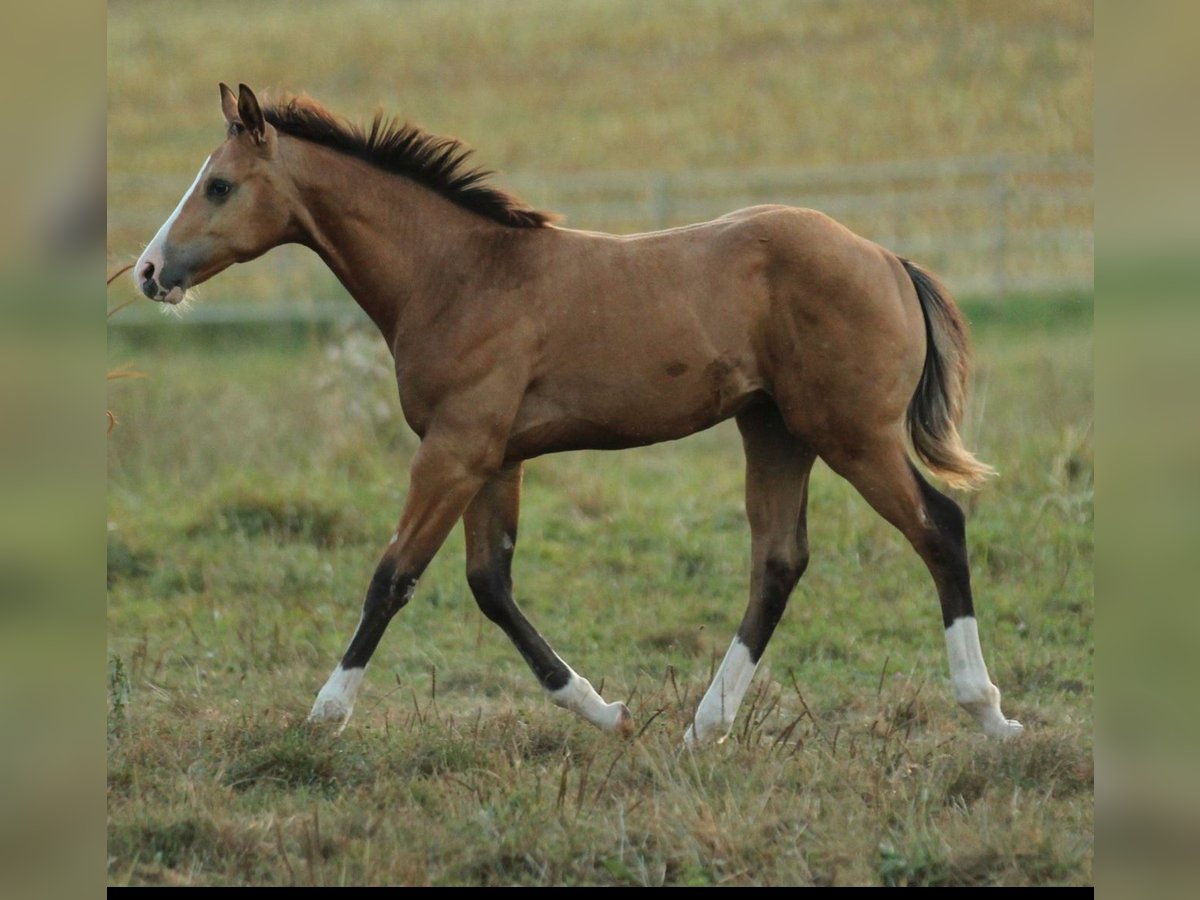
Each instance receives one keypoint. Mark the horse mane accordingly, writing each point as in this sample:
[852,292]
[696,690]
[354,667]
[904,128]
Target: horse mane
[438,163]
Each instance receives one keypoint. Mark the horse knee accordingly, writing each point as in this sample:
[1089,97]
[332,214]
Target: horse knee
[389,591]
[780,575]
[491,589]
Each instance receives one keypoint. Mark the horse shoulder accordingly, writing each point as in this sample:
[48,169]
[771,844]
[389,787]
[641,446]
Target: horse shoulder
[478,360]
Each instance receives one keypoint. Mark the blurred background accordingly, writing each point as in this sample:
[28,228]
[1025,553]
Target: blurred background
[959,134]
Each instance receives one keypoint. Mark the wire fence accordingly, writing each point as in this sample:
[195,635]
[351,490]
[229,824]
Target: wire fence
[990,226]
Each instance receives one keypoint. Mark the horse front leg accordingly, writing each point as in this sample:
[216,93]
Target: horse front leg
[491,530]
[443,479]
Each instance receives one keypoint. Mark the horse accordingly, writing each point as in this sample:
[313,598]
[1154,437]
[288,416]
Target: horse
[514,337]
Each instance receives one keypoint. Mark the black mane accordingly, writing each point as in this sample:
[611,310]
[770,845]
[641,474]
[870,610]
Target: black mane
[438,163]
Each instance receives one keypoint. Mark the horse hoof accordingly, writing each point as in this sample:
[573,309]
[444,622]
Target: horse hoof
[624,724]
[1012,728]
[1004,729]
[329,712]
[690,740]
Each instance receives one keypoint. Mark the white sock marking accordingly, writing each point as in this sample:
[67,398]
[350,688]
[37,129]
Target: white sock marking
[335,702]
[581,698]
[973,687]
[714,717]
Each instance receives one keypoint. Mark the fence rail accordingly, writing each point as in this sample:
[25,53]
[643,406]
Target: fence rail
[988,226]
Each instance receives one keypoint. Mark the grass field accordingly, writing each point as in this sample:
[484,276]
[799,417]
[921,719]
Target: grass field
[251,488]
[254,479]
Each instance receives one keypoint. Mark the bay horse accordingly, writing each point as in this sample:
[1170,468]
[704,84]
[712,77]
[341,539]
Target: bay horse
[513,337]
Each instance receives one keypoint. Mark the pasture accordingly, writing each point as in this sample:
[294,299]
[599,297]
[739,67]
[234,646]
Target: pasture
[256,473]
[252,488]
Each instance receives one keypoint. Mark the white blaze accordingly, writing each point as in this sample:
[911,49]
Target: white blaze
[154,250]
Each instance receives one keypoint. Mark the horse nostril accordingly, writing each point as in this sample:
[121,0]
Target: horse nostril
[148,271]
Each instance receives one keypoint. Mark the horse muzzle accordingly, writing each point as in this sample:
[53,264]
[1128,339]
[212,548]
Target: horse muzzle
[154,279]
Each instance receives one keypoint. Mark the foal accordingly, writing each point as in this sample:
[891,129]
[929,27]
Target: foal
[513,338]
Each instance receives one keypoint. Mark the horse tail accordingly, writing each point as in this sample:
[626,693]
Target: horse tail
[936,408]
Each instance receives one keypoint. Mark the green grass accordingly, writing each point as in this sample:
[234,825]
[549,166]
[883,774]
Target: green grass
[252,487]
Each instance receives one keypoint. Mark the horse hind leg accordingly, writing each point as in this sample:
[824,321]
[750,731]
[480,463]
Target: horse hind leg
[777,470]
[935,526]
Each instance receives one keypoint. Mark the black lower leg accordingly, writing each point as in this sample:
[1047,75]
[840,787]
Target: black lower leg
[774,586]
[388,593]
[492,588]
[945,552]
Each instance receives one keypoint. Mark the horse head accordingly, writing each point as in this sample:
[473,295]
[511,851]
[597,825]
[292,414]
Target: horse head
[239,206]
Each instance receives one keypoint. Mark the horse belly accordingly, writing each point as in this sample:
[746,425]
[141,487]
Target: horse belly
[644,404]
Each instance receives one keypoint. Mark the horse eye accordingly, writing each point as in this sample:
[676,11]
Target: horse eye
[218,189]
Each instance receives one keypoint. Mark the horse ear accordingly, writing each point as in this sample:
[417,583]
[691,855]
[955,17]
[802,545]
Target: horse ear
[251,114]
[229,106]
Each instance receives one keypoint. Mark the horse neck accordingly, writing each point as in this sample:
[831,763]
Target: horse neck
[395,245]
